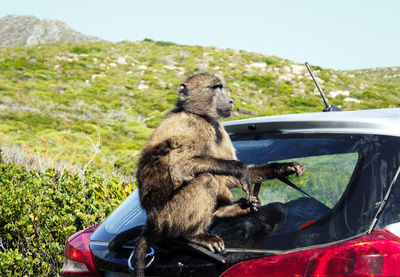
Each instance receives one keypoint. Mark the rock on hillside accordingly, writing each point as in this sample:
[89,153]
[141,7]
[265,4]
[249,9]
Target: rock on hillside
[29,30]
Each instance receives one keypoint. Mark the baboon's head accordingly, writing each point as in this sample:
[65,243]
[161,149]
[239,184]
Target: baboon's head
[204,94]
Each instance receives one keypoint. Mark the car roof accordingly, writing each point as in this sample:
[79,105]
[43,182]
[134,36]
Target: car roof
[377,121]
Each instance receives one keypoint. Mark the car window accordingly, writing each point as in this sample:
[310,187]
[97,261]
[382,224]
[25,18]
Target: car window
[325,179]
[330,163]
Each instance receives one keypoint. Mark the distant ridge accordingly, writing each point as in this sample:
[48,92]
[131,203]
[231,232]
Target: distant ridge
[18,30]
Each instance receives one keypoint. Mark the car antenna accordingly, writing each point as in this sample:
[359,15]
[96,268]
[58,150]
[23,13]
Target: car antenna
[328,107]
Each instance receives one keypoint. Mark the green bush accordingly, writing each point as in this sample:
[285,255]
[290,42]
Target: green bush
[39,211]
[261,81]
[20,64]
[85,50]
[270,60]
[165,43]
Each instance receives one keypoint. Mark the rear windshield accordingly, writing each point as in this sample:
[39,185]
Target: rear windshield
[329,168]
[337,197]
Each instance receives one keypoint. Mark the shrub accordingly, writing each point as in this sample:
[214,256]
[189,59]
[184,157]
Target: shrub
[39,211]
[270,60]
[261,81]
[165,43]
[85,50]
[20,64]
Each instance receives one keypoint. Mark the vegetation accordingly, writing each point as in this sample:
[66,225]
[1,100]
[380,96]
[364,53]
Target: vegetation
[73,118]
[40,210]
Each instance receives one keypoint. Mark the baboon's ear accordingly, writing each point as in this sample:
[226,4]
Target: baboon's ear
[183,92]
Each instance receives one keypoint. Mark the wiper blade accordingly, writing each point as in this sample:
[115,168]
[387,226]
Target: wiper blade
[383,202]
[290,184]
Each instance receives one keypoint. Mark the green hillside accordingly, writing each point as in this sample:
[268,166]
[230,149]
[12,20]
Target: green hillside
[55,98]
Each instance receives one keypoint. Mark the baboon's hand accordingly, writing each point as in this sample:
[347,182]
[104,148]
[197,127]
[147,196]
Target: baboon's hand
[297,168]
[291,168]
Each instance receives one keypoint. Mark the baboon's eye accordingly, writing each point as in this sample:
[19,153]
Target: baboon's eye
[219,86]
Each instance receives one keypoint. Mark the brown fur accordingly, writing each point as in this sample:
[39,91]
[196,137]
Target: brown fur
[186,168]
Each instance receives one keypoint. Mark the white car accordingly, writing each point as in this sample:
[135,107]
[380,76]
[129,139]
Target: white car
[340,218]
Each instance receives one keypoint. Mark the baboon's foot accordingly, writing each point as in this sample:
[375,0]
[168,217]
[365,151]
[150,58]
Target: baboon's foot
[213,243]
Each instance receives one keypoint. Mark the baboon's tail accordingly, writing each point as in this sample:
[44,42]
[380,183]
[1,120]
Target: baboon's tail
[141,248]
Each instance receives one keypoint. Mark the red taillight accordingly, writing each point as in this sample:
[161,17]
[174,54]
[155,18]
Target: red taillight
[78,258]
[375,254]
[378,256]
[285,265]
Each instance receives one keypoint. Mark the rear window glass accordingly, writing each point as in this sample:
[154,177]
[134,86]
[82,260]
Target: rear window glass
[330,163]
[325,179]
[126,216]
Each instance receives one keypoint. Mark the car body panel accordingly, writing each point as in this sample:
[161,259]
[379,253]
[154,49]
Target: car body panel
[378,122]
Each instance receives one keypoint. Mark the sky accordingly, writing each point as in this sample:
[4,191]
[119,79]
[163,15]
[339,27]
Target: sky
[337,34]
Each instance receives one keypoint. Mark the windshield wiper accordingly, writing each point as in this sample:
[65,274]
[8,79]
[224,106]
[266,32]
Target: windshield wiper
[383,202]
[290,184]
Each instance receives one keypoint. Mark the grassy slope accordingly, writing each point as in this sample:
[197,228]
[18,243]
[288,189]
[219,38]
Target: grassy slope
[52,97]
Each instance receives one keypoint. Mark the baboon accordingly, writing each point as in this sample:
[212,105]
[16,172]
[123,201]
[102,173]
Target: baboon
[187,166]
